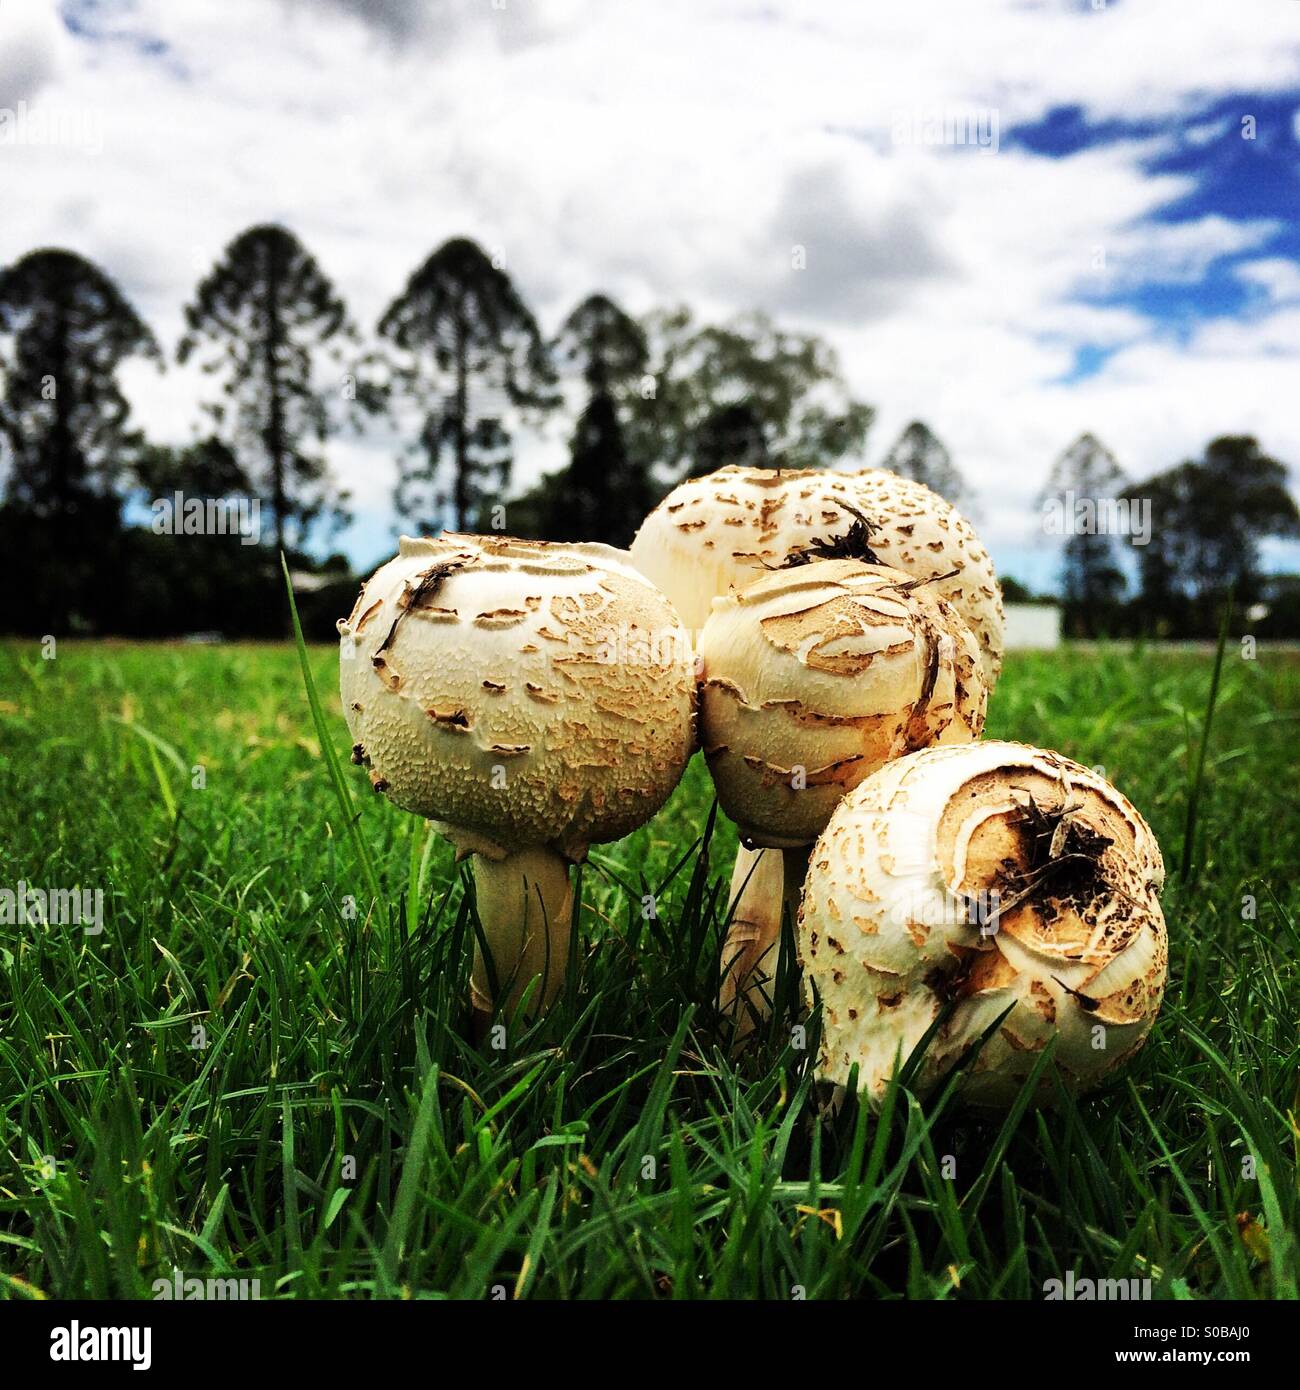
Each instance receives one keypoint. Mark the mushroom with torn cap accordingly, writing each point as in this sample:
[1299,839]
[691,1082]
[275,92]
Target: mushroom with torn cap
[714,534]
[811,678]
[530,699]
[1007,884]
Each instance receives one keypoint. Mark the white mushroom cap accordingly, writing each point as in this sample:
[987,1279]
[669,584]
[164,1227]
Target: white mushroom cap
[714,534]
[886,934]
[518,693]
[814,676]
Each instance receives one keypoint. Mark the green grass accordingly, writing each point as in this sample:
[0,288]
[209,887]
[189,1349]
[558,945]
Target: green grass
[240,1076]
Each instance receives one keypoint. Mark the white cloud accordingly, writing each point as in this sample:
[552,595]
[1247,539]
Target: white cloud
[1279,278]
[669,150]
[1177,252]
[33,47]
[1206,132]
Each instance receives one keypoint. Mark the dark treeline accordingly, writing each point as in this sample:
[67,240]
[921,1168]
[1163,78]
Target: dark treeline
[1159,557]
[105,531]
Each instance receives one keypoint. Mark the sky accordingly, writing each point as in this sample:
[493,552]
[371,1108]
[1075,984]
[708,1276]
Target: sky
[1105,239]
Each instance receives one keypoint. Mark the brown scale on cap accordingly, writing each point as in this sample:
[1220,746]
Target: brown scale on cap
[581,744]
[618,715]
[708,535]
[712,536]
[1074,946]
[814,676]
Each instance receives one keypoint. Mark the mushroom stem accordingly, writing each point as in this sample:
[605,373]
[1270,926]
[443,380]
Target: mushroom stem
[764,882]
[525,906]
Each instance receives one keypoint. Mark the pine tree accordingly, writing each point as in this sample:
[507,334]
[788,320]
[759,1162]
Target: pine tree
[268,320]
[471,354]
[604,492]
[919,454]
[1084,481]
[65,331]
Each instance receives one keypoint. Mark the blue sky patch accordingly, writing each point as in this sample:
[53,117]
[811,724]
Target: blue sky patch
[1242,153]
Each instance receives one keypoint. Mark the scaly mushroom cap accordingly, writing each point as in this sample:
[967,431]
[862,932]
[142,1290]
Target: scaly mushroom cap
[900,915]
[710,535]
[518,693]
[815,676]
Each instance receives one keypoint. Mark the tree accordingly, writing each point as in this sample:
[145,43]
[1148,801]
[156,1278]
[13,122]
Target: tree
[734,434]
[1278,616]
[65,330]
[1078,502]
[1209,517]
[604,492]
[1013,591]
[745,392]
[598,497]
[207,468]
[919,454]
[603,344]
[266,314]
[471,354]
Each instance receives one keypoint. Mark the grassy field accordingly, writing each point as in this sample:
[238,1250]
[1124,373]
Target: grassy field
[238,1075]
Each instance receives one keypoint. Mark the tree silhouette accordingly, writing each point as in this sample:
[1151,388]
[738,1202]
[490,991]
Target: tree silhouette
[731,434]
[1209,517]
[604,493]
[65,330]
[919,454]
[207,468]
[264,317]
[603,344]
[1092,583]
[745,392]
[200,582]
[471,354]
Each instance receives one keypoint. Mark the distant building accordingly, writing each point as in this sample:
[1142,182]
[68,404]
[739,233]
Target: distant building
[1032,626]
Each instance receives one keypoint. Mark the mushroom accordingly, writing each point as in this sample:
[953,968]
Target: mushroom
[811,678]
[1004,883]
[529,699]
[713,534]
[716,533]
